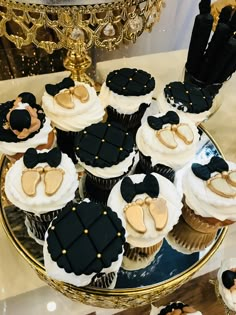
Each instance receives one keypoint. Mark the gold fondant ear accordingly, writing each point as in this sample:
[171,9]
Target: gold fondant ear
[52,179]
[219,186]
[64,99]
[135,217]
[184,132]
[231,178]
[166,137]
[159,213]
[81,93]
[30,179]
[175,312]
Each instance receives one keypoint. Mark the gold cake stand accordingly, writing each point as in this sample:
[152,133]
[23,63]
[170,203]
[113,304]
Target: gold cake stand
[125,297]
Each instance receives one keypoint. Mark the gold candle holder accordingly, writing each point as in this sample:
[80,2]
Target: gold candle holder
[77,25]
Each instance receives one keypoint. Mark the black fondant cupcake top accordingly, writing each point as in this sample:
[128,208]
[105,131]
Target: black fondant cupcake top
[85,238]
[130,82]
[103,144]
[14,118]
[188,97]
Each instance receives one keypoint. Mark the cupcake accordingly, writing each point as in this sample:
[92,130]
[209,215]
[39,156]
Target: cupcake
[84,245]
[23,125]
[195,102]
[166,142]
[72,106]
[106,151]
[227,283]
[126,94]
[209,201]
[150,206]
[176,308]
[41,184]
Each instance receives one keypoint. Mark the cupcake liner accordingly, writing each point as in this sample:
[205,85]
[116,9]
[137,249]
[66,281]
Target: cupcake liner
[38,224]
[132,121]
[65,142]
[103,280]
[201,224]
[95,193]
[139,257]
[164,170]
[187,240]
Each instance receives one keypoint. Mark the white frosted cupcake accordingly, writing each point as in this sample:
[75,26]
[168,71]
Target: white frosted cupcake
[126,94]
[195,102]
[23,126]
[166,142]
[150,206]
[41,184]
[227,283]
[71,106]
[84,245]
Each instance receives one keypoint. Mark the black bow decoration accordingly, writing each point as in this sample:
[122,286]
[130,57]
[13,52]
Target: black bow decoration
[228,277]
[216,164]
[54,89]
[32,158]
[170,117]
[149,186]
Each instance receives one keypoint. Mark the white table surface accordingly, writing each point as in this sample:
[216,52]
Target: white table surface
[20,288]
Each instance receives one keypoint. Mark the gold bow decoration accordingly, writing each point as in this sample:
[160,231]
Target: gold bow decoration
[223,184]
[65,98]
[167,135]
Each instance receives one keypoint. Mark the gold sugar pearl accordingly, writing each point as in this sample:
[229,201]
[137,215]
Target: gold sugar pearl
[85,131]
[118,234]
[121,149]
[73,209]
[103,140]
[145,86]
[63,251]
[109,125]
[85,231]
[99,255]
[187,92]
[124,88]
[190,103]
[77,149]
[96,157]
[204,96]
[130,79]
[52,227]
[104,212]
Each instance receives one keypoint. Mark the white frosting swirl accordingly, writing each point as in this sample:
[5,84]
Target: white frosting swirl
[58,273]
[123,104]
[228,297]
[165,106]
[40,138]
[150,145]
[77,118]
[152,236]
[110,172]
[41,202]
[203,201]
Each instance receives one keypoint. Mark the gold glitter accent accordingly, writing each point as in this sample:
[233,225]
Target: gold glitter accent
[52,227]
[73,208]
[85,231]
[118,234]
[104,212]
[99,255]
[63,251]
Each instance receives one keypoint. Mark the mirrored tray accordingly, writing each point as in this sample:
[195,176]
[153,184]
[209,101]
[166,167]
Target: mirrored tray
[169,270]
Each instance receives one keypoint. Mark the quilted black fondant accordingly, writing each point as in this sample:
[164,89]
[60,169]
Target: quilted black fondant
[85,238]
[103,144]
[187,97]
[130,82]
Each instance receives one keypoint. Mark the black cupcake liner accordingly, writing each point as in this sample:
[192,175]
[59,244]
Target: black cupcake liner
[95,193]
[131,122]
[146,166]
[65,142]
[38,224]
[103,280]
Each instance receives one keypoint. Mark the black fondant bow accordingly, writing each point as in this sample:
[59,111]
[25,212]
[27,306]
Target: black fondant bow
[32,158]
[170,117]
[149,186]
[54,89]
[216,164]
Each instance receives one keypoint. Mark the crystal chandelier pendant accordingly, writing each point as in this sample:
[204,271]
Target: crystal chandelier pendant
[136,24]
[109,30]
[152,17]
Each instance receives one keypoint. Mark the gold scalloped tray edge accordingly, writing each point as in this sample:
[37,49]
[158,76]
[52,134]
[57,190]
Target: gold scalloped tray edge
[115,298]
